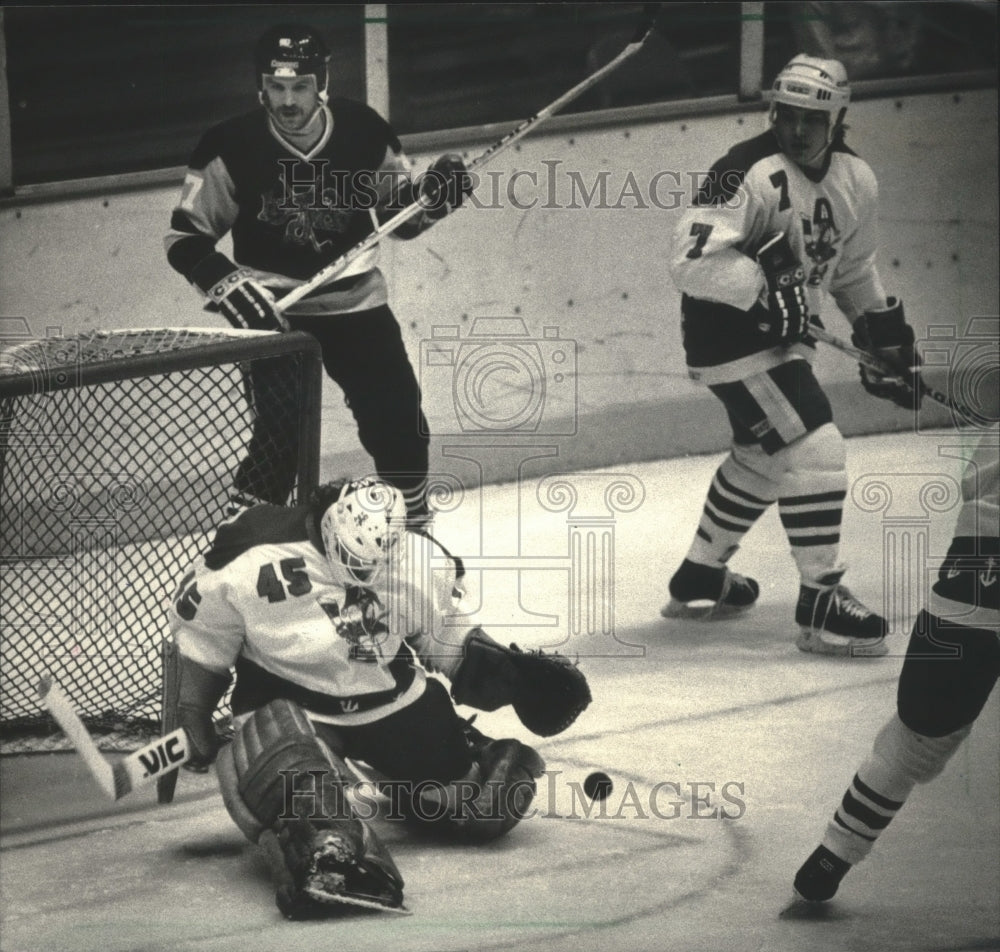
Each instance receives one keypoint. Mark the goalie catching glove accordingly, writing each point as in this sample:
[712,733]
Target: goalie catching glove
[547,691]
[885,334]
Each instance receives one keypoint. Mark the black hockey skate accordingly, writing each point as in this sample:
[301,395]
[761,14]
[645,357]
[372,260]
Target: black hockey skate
[706,593]
[832,621]
[818,879]
[318,868]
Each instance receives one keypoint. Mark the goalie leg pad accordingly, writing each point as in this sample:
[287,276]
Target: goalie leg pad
[492,798]
[508,771]
[276,768]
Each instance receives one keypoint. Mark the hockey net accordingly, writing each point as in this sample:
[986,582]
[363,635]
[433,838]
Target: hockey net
[117,456]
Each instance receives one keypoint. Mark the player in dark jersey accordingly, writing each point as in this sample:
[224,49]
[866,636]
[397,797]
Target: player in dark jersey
[297,184]
[781,220]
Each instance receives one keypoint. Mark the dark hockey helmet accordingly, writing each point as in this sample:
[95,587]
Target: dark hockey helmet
[290,50]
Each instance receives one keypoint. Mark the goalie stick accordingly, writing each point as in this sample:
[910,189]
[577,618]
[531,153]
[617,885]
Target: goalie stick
[143,766]
[870,360]
[345,260]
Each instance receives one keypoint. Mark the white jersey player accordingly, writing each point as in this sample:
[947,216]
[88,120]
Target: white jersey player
[781,221]
[330,614]
[951,667]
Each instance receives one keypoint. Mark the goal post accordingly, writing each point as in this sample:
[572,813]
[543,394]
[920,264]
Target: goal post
[118,454]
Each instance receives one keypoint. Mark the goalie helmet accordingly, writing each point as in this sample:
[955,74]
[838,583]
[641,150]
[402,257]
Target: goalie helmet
[362,530]
[808,82]
[287,51]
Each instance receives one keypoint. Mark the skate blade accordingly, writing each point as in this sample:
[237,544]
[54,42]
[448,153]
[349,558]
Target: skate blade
[336,899]
[702,610]
[811,910]
[840,646]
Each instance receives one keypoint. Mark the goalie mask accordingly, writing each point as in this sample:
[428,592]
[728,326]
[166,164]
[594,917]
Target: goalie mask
[819,85]
[362,530]
[288,51]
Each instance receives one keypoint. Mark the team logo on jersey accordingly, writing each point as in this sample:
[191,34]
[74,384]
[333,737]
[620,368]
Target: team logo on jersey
[360,621]
[303,213]
[822,241]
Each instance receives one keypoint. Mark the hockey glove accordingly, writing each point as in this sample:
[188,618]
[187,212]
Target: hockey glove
[443,187]
[198,695]
[787,318]
[547,691]
[245,303]
[886,334]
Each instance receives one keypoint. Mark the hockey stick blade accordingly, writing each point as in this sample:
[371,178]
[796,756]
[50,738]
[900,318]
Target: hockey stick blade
[151,763]
[61,708]
[338,267]
[140,767]
[873,362]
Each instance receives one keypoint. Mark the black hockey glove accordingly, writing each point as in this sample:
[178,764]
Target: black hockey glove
[787,318]
[443,187]
[245,303]
[886,334]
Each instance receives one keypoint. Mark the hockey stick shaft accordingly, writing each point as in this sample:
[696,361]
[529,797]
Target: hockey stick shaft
[141,767]
[337,267]
[874,363]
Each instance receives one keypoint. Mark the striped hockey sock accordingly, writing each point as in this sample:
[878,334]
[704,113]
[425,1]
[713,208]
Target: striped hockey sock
[812,524]
[859,820]
[730,511]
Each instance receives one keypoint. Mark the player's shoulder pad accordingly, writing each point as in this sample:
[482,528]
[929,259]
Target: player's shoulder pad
[236,135]
[261,525]
[860,170]
[359,121]
[728,173]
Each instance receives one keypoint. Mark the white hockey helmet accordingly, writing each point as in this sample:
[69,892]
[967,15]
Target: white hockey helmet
[808,82]
[362,530]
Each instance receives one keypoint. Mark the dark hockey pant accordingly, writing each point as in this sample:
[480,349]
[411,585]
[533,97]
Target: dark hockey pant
[364,354]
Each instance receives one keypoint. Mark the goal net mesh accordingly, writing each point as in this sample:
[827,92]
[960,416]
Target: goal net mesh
[118,451]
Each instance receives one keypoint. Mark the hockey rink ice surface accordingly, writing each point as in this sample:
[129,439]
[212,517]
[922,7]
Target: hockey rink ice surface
[729,750]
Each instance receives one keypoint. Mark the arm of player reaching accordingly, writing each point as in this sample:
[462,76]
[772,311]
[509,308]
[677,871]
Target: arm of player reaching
[205,212]
[208,634]
[547,690]
[707,256]
[878,322]
[856,285]
[440,191]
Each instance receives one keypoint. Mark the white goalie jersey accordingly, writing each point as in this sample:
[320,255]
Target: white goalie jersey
[263,600]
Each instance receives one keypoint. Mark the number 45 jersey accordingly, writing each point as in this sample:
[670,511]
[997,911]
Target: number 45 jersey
[751,194]
[264,600]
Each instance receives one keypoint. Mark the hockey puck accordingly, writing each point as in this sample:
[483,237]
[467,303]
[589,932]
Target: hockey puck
[598,785]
